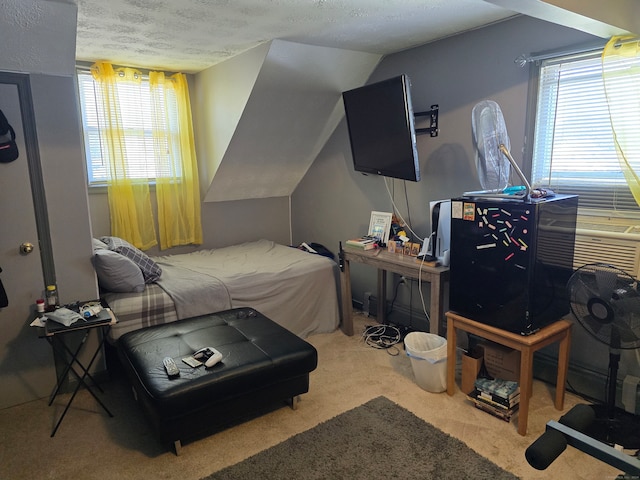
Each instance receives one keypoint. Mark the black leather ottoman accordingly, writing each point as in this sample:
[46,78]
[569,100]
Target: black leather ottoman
[262,363]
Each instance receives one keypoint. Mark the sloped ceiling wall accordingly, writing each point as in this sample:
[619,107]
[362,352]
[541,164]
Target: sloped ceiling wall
[596,17]
[263,116]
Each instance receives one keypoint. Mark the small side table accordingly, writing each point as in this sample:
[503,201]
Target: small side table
[104,320]
[559,331]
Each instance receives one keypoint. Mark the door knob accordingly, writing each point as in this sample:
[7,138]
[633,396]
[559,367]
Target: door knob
[26,248]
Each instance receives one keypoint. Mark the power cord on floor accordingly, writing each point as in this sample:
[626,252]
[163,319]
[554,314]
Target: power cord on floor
[383,337]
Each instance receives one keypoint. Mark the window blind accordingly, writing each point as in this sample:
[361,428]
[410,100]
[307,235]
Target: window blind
[136,114]
[574,150]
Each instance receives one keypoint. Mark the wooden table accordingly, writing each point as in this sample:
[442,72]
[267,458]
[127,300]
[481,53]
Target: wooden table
[559,331]
[385,262]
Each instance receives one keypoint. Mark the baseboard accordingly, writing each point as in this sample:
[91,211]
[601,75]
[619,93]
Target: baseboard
[400,314]
[583,381]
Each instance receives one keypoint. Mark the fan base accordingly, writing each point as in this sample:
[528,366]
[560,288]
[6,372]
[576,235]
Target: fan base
[623,429]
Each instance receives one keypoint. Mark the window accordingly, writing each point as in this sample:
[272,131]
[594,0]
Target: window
[573,148]
[136,111]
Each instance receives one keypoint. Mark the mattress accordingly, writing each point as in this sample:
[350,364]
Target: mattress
[296,289]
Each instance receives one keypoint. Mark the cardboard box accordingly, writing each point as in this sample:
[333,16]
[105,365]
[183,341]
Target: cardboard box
[471,364]
[501,362]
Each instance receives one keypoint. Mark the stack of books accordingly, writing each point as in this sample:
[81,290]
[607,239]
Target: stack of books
[497,397]
[365,243]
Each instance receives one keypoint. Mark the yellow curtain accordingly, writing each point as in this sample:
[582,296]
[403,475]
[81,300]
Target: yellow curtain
[177,189]
[624,103]
[129,199]
[176,177]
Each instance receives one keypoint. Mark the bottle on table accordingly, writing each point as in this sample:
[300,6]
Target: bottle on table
[40,307]
[52,298]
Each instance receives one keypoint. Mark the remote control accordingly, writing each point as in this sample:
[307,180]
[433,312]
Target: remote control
[171,367]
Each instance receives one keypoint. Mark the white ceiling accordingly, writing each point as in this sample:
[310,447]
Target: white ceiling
[191,35]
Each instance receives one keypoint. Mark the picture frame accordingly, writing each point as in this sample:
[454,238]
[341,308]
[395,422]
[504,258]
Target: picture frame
[380,225]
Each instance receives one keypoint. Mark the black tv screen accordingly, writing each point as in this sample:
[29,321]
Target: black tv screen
[382,129]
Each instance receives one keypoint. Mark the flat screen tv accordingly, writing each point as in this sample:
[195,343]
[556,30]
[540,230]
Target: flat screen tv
[382,129]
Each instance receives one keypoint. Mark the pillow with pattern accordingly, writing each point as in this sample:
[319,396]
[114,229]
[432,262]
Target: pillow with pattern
[151,271]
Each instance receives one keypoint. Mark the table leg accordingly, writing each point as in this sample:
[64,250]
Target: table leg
[382,296]
[86,374]
[435,304]
[347,317]
[81,381]
[63,351]
[563,367]
[526,384]
[451,356]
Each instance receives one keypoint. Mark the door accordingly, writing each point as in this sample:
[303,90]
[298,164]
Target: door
[26,364]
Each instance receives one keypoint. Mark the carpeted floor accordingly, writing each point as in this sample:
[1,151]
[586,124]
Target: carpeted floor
[377,437]
[90,445]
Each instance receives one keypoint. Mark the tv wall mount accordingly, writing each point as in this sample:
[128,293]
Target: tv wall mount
[432,130]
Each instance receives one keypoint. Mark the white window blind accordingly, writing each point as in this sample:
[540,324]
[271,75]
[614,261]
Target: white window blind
[136,113]
[574,150]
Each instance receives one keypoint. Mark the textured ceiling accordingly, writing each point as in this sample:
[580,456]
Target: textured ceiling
[191,35]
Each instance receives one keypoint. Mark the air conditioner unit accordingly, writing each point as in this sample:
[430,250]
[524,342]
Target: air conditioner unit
[612,241]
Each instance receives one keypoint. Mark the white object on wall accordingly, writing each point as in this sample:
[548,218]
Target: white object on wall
[443,235]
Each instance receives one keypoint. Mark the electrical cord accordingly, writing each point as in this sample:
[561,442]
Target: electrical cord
[382,337]
[408,226]
[424,307]
[397,211]
[395,296]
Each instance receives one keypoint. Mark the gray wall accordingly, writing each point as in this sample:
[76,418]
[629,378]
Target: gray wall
[40,38]
[223,223]
[333,202]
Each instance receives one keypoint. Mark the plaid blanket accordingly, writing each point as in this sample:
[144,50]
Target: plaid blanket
[138,310]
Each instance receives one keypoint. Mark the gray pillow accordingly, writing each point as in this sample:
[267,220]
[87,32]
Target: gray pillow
[117,273]
[150,269]
[98,244]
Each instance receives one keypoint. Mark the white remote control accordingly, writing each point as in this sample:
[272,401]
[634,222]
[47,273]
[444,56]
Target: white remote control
[171,367]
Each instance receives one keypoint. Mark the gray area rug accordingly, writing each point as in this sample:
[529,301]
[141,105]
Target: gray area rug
[378,440]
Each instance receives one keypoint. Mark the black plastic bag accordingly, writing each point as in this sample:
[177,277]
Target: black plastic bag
[8,147]
[4,301]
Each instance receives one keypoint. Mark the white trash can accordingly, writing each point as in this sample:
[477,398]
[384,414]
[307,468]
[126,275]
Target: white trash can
[428,354]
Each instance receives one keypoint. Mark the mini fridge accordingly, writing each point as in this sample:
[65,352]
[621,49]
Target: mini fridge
[511,260]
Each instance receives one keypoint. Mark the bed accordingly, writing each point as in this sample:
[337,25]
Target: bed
[296,289]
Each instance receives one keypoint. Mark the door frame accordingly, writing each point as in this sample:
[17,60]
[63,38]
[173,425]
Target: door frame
[22,82]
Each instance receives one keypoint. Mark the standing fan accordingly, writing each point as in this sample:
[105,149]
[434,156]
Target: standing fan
[606,302]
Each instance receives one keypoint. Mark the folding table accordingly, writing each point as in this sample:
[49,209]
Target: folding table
[54,333]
